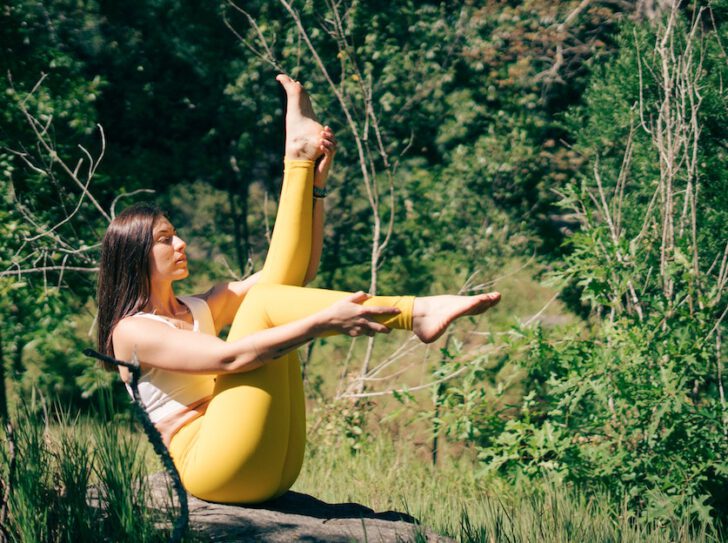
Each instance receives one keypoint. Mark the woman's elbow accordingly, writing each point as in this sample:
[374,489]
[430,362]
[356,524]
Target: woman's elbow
[241,363]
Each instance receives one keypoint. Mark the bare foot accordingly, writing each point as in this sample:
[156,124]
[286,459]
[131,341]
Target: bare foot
[433,314]
[303,131]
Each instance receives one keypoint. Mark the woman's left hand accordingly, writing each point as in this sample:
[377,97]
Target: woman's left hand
[323,164]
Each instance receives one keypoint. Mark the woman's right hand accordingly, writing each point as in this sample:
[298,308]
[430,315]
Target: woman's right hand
[323,163]
[350,317]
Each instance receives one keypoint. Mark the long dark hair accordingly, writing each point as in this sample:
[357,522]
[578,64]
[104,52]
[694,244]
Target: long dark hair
[124,282]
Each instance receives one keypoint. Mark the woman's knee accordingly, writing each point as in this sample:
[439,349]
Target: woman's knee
[247,486]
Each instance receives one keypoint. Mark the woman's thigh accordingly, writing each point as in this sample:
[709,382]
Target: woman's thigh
[241,443]
[297,427]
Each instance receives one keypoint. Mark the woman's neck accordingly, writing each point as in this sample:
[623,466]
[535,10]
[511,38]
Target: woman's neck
[162,301]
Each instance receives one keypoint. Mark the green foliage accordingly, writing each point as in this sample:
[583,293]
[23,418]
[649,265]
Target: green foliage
[633,404]
[621,107]
[74,480]
[617,411]
[193,114]
[41,311]
[389,474]
[341,424]
[489,115]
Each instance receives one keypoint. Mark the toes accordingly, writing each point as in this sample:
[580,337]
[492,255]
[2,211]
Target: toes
[288,84]
[482,302]
[489,300]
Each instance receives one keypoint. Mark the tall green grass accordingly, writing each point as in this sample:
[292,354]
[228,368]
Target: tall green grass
[388,473]
[86,480]
[77,480]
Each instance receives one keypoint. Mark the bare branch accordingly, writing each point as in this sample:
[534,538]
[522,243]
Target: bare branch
[50,150]
[126,195]
[552,74]
[44,269]
[404,390]
[268,55]
[540,311]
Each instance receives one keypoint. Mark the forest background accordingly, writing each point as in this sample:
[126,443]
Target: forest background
[570,154]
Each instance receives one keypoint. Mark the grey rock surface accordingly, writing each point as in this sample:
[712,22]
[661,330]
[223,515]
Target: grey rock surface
[296,517]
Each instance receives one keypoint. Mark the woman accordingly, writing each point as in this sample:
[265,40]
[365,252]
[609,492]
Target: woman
[232,412]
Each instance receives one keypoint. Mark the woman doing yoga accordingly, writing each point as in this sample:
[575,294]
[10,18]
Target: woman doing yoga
[232,412]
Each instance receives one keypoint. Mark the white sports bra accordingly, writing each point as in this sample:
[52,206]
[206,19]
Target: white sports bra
[165,393]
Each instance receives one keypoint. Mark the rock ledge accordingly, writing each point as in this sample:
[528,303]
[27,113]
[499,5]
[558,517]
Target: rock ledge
[297,517]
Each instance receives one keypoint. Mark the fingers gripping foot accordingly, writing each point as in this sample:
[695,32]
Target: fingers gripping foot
[305,136]
[324,162]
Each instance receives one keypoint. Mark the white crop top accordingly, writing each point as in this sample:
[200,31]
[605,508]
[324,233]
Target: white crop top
[165,392]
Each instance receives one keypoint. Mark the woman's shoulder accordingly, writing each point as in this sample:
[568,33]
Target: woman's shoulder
[211,294]
[135,328]
[139,321]
[225,298]
[217,299]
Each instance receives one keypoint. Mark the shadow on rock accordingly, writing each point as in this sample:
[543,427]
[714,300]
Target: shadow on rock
[303,504]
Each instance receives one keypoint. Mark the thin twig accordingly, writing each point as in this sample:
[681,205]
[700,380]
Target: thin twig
[126,195]
[405,390]
[44,269]
[540,312]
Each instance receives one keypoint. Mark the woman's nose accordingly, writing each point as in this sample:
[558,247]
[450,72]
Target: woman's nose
[179,243]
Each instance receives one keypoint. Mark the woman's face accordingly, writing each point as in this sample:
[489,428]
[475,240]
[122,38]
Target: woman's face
[167,259]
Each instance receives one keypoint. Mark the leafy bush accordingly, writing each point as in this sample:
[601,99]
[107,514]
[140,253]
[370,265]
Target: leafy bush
[634,403]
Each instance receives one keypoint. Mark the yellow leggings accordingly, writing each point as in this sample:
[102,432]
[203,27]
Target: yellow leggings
[248,447]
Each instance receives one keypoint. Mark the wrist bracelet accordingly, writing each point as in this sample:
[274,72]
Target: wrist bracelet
[320,192]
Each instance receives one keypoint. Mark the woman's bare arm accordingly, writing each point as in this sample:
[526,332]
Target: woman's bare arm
[158,345]
[224,299]
[321,174]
